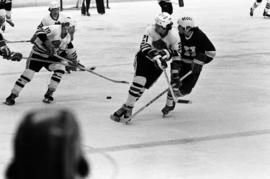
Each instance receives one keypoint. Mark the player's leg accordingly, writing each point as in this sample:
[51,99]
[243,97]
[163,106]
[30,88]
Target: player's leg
[266,9]
[87,7]
[254,6]
[8,8]
[83,8]
[58,72]
[178,69]
[25,78]
[145,75]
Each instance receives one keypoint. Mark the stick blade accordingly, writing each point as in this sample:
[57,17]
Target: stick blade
[184,101]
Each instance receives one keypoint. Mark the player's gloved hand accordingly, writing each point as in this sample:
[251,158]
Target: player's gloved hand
[50,48]
[5,52]
[165,54]
[16,56]
[152,54]
[160,63]
[196,66]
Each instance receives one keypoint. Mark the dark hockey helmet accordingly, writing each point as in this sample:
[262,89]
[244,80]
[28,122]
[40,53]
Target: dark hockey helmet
[48,145]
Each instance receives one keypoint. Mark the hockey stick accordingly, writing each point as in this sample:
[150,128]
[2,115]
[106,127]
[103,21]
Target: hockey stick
[81,67]
[126,121]
[17,41]
[170,86]
[66,64]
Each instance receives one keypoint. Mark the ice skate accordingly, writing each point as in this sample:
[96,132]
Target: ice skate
[266,15]
[10,100]
[48,96]
[167,109]
[123,114]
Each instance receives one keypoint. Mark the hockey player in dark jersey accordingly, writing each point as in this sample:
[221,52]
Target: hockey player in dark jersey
[160,43]
[166,6]
[6,6]
[266,9]
[196,51]
[50,42]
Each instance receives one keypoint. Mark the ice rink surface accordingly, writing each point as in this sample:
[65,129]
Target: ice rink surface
[223,134]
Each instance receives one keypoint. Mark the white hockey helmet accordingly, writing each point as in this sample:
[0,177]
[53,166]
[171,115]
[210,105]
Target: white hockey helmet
[164,19]
[54,5]
[186,22]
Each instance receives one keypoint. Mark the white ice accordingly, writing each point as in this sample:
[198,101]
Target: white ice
[224,134]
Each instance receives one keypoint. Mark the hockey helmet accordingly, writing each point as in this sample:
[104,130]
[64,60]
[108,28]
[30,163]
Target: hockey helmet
[164,19]
[54,5]
[186,22]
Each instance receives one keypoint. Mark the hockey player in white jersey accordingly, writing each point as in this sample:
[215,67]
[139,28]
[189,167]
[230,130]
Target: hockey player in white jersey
[160,43]
[55,17]
[266,9]
[51,40]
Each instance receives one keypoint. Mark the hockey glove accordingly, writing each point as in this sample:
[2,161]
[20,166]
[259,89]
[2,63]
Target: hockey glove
[165,54]
[16,56]
[153,54]
[50,48]
[160,63]
[5,52]
[196,66]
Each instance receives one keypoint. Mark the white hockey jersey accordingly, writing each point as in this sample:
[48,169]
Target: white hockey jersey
[53,33]
[171,40]
[48,20]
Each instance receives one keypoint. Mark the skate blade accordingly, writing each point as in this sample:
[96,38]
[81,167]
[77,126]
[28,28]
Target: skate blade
[112,117]
[8,104]
[47,101]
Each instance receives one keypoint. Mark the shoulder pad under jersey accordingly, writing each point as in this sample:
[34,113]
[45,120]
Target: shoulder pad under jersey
[150,31]
[53,32]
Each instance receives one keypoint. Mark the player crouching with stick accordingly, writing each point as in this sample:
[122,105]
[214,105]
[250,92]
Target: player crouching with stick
[196,50]
[160,43]
[51,41]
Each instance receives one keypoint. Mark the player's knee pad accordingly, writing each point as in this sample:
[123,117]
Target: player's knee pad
[139,80]
[27,75]
[57,66]
[57,75]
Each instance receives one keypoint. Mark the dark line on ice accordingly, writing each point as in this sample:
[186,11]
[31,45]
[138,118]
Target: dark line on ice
[177,141]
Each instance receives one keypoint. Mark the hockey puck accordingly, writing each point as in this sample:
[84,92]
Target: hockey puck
[108,97]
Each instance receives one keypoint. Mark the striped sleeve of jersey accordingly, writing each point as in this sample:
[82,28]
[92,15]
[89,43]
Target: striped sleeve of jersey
[49,32]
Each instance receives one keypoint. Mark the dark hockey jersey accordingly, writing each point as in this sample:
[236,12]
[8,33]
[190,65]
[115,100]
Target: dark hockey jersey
[6,4]
[198,42]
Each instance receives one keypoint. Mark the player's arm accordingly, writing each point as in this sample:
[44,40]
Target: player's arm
[209,52]
[42,34]
[6,53]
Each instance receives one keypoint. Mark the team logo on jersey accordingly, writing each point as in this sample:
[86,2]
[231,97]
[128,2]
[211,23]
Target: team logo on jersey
[190,51]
